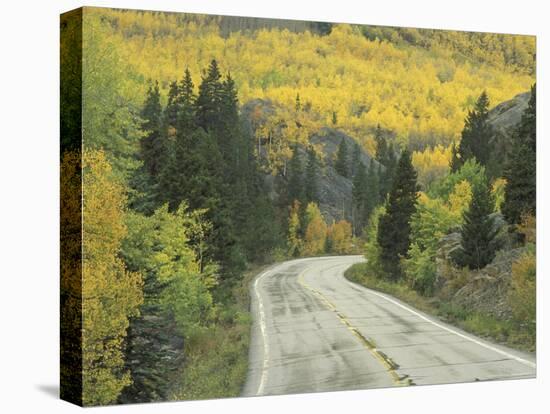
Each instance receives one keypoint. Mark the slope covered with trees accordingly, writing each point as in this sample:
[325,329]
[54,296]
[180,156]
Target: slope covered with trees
[205,154]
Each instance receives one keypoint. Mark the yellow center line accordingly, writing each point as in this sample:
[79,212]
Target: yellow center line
[387,363]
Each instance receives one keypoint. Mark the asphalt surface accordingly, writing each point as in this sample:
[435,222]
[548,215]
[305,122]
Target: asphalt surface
[316,331]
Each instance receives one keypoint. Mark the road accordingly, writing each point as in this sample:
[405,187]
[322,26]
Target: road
[316,331]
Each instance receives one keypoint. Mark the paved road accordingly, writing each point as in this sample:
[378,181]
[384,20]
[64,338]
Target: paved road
[316,331]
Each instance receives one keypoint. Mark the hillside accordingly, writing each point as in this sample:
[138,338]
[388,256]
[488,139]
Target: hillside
[416,84]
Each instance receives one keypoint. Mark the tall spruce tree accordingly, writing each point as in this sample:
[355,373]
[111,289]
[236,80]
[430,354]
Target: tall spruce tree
[520,172]
[477,134]
[295,178]
[153,144]
[311,184]
[478,244]
[341,164]
[360,198]
[373,189]
[394,227]
[355,159]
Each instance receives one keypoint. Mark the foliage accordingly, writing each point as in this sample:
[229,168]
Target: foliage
[471,171]
[177,299]
[316,231]
[522,294]
[478,234]
[341,165]
[476,135]
[340,237]
[294,242]
[111,294]
[421,94]
[431,164]
[395,225]
[520,195]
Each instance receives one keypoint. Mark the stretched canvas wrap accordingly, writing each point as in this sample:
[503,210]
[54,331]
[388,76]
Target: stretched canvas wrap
[255,206]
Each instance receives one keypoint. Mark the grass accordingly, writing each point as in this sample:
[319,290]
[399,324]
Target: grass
[216,362]
[503,331]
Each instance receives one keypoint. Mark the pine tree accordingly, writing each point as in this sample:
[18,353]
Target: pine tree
[342,163]
[334,118]
[311,184]
[394,227]
[153,145]
[209,99]
[359,197]
[478,244]
[295,180]
[373,190]
[381,145]
[520,172]
[355,159]
[477,133]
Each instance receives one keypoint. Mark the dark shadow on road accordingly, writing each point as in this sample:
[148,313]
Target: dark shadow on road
[49,389]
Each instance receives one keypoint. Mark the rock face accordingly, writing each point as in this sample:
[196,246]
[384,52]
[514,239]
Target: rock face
[507,114]
[335,191]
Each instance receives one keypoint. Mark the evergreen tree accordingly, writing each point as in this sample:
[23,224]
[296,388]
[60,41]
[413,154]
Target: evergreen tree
[478,244]
[477,133]
[381,145]
[295,180]
[360,198]
[334,118]
[153,144]
[209,99]
[312,170]
[394,227]
[373,190]
[342,163]
[520,172]
[355,159]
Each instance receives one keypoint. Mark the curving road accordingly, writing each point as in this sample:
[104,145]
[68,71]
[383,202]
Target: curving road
[316,331]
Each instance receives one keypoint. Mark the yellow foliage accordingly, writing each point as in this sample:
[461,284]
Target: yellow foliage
[110,294]
[316,231]
[341,237]
[460,198]
[431,164]
[414,92]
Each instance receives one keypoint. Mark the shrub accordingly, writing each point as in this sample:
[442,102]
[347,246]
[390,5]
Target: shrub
[522,295]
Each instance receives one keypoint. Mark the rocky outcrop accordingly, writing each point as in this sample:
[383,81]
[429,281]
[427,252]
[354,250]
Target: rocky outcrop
[484,290]
[335,191]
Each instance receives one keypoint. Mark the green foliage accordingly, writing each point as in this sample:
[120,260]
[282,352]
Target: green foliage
[520,195]
[341,165]
[110,293]
[478,234]
[471,171]
[295,177]
[177,299]
[311,184]
[476,135]
[395,225]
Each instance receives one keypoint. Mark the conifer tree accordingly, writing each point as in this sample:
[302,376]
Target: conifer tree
[359,197]
[478,244]
[373,190]
[153,144]
[477,133]
[295,180]
[520,172]
[355,159]
[311,185]
[342,163]
[209,98]
[394,227]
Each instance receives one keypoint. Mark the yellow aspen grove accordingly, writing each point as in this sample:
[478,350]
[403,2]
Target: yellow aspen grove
[316,231]
[110,294]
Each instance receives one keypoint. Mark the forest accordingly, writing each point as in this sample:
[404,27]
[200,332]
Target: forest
[175,200]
